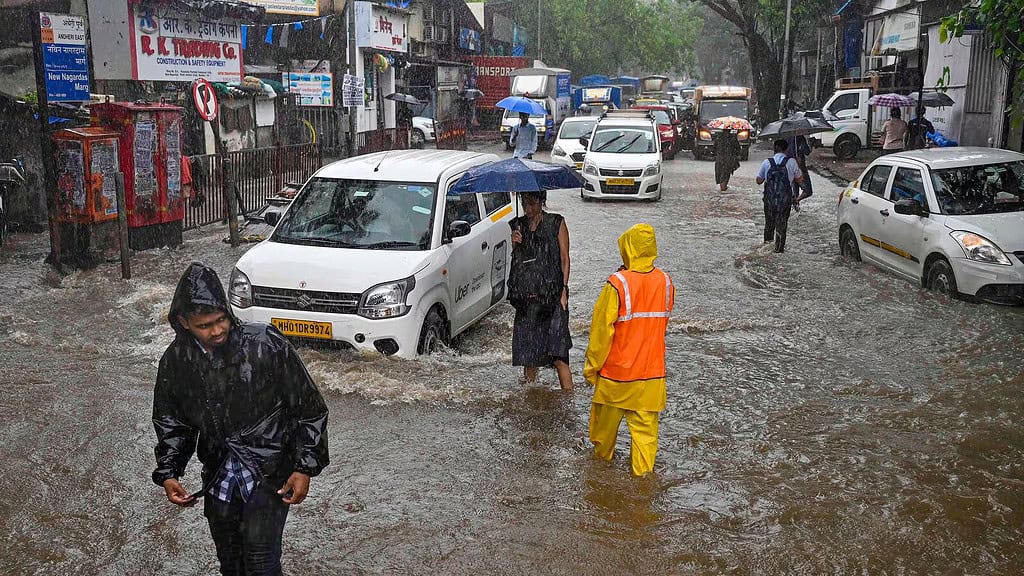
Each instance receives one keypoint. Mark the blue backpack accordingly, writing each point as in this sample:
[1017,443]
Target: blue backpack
[777,189]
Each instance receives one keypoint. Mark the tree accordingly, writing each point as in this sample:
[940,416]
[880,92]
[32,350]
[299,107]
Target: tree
[1002,21]
[761,28]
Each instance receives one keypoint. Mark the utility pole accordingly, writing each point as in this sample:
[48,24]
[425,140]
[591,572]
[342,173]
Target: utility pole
[785,62]
[57,248]
[540,54]
[352,110]
[817,73]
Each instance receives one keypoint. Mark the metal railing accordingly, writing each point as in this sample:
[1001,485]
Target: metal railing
[450,134]
[382,139]
[253,175]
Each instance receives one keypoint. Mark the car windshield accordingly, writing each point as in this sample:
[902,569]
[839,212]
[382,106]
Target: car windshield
[662,117]
[576,130]
[711,109]
[623,140]
[367,214]
[986,189]
[511,114]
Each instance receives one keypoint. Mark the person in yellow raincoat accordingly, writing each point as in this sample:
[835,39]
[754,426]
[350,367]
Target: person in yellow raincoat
[626,356]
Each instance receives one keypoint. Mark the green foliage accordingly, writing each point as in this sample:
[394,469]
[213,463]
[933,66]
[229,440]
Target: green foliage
[604,36]
[1001,20]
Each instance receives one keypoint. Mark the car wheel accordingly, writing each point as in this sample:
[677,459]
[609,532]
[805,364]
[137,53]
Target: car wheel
[434,334]
[417,138]
[848,246]
[846,147]
[941,278]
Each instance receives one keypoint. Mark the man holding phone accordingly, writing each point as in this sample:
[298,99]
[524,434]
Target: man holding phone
[240,394]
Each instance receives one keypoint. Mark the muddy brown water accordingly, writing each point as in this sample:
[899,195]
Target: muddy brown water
[823,418]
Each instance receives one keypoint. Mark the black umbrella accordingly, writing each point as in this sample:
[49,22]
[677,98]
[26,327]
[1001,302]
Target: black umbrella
[794,126]
[407,98]
[934,99]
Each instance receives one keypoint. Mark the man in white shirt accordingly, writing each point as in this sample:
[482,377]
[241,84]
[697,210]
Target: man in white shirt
[524,138]
[778,193]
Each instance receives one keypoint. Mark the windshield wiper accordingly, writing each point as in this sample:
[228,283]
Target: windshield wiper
[626,147]
[312,241]
[608,143]
[389,244]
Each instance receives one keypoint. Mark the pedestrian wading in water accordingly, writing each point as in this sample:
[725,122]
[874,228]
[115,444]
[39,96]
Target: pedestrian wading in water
[626,356]
[779,174]
[239,395]
[727,157]
[538,289]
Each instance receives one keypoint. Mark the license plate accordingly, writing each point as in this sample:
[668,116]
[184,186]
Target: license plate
[579,165]
[621,182]
[303,328]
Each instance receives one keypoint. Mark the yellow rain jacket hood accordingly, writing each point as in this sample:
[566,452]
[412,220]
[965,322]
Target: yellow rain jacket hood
[639,248]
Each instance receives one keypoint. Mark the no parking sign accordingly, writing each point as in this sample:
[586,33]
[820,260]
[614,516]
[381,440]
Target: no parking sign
[205,99]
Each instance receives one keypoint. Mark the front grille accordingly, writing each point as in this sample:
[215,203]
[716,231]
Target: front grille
[578,156]
[623,173]
[631,189]
[305,300]
[1020,256]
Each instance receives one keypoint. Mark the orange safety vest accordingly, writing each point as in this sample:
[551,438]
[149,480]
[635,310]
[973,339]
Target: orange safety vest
[638,345]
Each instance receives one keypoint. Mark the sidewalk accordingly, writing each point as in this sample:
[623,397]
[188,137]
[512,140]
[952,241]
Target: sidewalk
[841,172]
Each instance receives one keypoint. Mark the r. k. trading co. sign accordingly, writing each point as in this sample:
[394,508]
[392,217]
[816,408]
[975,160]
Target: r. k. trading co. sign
[174,46]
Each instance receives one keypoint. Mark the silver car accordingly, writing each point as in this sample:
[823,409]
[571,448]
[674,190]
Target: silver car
[949,218]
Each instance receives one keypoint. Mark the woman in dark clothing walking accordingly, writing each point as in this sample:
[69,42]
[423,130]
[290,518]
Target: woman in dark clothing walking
[727,153]
[539,291]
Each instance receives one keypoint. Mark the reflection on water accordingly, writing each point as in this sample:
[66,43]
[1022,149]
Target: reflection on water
[823,417]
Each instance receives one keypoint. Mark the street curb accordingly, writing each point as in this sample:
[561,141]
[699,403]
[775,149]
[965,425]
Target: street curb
[826,172]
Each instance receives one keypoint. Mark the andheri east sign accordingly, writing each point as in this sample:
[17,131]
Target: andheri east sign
[172,46]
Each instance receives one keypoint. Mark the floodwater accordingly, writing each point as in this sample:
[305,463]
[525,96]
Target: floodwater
[823,418]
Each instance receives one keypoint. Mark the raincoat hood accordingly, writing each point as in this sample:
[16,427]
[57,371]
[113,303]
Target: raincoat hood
[198,285]
[639,247]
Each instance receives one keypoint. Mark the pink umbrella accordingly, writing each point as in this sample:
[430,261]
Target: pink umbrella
[891,101]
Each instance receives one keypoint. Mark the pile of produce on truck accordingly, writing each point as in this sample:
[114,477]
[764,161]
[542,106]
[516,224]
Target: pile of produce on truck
[494,79]
[596,100]
[552,89]
[712,102]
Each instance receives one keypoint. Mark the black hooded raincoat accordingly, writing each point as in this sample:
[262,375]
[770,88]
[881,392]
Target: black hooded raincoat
[252,398]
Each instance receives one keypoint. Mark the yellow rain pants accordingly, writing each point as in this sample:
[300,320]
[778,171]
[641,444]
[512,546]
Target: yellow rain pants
[643,435]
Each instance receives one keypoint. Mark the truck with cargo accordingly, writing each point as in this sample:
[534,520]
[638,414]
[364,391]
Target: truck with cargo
[858,126]
[494,78]
[599,99]
[712,102]
[552,89]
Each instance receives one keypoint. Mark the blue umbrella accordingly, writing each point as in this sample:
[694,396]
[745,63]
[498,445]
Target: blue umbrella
[521,104]
[516,175]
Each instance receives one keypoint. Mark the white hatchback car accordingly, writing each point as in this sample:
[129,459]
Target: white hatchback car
[623,157]
[949,218]
[568,150]
[374,254]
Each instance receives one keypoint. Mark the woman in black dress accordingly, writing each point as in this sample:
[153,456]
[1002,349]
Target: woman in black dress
[727,157]
[539,291]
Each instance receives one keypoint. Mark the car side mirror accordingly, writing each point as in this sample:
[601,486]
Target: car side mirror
[584,141]
[910,207]
[458,229]
[272,217]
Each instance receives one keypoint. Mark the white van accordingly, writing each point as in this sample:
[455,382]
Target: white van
[372,253]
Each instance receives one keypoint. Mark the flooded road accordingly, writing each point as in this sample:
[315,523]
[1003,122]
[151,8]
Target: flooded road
[823,418]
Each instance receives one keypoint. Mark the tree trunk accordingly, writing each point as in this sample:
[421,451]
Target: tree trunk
[766,71]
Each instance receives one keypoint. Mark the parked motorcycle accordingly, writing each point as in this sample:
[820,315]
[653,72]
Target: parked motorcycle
[12,176]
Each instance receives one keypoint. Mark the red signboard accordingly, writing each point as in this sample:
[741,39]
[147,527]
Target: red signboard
[493,76]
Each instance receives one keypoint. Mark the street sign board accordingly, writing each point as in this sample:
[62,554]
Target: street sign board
[352,90]
[313,88]
[65,57]
[205,99]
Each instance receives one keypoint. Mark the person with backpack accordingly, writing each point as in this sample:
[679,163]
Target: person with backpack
[538,289]
[778,174]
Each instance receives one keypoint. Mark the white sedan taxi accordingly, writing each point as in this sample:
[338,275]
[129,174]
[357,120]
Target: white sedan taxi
[623,158]
[951,219]
[373,254]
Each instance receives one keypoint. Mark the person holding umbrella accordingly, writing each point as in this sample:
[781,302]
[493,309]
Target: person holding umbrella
[524,137]
[894,131]
[727,157]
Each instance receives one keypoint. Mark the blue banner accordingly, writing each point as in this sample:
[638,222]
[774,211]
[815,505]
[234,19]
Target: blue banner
[564,86]
[66,67]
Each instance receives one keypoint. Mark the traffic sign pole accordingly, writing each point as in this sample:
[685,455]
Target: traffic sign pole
[46,145]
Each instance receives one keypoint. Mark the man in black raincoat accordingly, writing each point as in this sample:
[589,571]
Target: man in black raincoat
[241,392]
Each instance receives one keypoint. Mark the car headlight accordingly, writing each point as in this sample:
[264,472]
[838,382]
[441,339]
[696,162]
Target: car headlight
[589,168]
[653,169]
[505,128]
[388,300]
[557,151]
[743,134]
[979,248]
[240,290]
[541,129]
[705,135]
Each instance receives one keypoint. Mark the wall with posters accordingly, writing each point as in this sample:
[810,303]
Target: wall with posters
[161,44]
